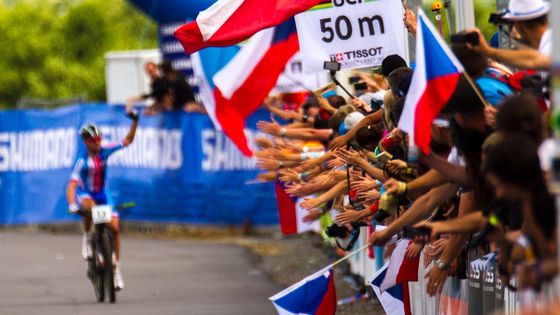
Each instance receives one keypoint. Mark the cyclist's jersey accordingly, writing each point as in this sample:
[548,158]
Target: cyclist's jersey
[89,171]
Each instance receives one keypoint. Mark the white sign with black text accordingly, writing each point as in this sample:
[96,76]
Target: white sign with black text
[355,33]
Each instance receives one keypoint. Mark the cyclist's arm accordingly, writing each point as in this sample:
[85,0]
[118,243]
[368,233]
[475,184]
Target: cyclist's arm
[75,180]
[131,133]
[71,192]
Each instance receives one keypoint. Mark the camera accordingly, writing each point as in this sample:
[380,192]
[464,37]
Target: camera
[331,65]
[497,18]
[471,38]
[337,231]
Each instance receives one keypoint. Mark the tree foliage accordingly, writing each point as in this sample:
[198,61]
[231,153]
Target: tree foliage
[55,49]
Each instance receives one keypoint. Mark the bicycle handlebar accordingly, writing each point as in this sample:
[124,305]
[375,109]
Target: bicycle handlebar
[119,207]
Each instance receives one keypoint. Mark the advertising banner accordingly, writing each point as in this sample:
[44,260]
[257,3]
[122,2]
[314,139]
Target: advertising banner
[178,169]
[355,33]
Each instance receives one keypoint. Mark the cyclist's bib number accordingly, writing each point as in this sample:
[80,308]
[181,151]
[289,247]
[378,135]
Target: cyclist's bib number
[101,214]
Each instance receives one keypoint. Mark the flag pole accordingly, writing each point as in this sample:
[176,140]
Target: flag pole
[323,269]
[476,90]
[347,256]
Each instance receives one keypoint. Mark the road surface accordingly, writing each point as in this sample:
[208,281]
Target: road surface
[43,274]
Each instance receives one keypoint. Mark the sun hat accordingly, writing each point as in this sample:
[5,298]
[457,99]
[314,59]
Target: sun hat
[353,119]
[523,10]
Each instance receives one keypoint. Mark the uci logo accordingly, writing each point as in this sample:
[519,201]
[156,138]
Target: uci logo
[339,3]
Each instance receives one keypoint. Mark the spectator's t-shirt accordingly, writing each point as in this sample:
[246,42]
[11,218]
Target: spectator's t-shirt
[545,45]
[455,158]
[546,151]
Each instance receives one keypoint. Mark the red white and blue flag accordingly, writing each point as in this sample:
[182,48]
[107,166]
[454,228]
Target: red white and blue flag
[394,300]
[239,88]
[228,22]
[314,295]
[401,269]
[291,214]
[434,80]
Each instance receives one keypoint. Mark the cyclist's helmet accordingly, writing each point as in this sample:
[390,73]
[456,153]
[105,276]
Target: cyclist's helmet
[89,131]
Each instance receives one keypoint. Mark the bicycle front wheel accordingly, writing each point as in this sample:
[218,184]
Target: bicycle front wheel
[108,279]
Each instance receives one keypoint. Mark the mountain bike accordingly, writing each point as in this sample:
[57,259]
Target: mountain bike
[101,265]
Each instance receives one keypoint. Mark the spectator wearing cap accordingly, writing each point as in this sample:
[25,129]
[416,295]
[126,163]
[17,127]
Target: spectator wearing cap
[530,20]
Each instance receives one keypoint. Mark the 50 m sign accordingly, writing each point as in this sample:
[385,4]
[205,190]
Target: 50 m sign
[348,28]
[343,29]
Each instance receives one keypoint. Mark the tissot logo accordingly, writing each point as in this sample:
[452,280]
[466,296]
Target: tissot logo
[356,54]
[337,57]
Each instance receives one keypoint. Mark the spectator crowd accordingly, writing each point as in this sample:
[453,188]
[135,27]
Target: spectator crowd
[484,189]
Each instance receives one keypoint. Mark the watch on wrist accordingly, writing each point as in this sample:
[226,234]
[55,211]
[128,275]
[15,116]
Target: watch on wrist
[441,265]
[283,132]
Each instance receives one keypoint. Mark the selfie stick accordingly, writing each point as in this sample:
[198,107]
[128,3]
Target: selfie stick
[335,80]
[450,25]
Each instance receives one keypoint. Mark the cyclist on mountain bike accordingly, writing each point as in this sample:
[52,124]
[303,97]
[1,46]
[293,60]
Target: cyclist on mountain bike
[87,183]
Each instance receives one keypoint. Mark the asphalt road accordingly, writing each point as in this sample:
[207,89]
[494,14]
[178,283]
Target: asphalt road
[44,274]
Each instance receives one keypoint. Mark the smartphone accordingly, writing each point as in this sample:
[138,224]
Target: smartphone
[331,65]
[360,86]
[375,105]
[471,38]
[352,80]
[384,157]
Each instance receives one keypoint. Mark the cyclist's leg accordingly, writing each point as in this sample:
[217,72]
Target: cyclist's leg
[115,227]
[86,203]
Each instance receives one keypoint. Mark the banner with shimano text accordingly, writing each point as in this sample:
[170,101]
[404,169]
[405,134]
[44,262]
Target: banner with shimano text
[178,169]
[355,33]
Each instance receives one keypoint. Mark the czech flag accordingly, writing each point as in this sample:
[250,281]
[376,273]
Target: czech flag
[395,300]
[400,270]
[228,22]
[434,80]
[314,295]
[291,214]
[239,88]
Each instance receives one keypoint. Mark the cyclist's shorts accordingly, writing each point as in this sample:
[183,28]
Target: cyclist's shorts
[100,198]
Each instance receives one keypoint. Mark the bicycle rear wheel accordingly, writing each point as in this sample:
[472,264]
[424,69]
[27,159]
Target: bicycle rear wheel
[108,279]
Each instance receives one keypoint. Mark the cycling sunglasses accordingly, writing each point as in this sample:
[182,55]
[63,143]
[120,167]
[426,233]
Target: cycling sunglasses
[96,139]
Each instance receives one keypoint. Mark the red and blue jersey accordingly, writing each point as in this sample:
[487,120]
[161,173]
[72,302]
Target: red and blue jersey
[90,170]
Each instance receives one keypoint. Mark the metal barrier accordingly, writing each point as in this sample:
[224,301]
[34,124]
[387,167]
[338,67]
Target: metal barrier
[482,293]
